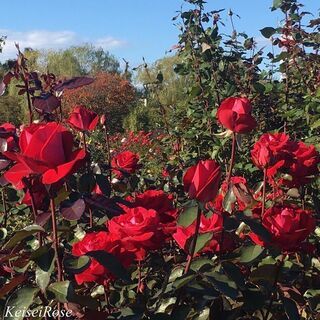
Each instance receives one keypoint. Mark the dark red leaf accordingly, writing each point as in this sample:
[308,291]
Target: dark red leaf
[46,103]
[73,83]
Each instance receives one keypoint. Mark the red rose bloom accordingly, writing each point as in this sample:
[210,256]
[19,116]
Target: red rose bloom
[83,119]
[235,115]
[305,164]
[202,180]
[138,229]
[160,202]
[125,161]
[100,241]
[288,227]
[213,224]
[272,151]
[45,150]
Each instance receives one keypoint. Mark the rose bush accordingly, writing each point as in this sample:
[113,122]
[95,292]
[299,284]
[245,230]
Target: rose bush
[190,221]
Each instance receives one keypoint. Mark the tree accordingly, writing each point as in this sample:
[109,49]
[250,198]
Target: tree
[163,92]
[109,94]
[73,61]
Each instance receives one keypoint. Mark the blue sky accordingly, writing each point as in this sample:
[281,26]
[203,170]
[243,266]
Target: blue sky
[129,29]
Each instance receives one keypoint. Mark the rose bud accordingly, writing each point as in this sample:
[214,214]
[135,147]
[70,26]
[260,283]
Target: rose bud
[202,180]
[235,115]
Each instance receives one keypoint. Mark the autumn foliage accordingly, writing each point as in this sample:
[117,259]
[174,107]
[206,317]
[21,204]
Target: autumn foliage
[109,94]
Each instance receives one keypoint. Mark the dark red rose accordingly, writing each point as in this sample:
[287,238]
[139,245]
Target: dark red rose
[202,180]
[40,195]
[83,119]
[305,164]
[288,227]
[272,151]
[213,224]
[139,230]
[235,114]
[100,241]
[125,162]
[45,150]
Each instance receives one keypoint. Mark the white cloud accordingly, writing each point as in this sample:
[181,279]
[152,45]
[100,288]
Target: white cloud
[44,39]
[108,43]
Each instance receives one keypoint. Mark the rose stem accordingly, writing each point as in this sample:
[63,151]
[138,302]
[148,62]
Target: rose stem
[5,213]
[264,190]
[233,155]
[194,242]
[88,170]
[28,100]
[272,296]
[108,150]
[35,211]
[56,245]
[139,276]
[55,237]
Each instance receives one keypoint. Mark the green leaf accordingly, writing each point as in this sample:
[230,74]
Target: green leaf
[86,182]
[259,87]
[22,234]
[103,184]
[110,262]
[291,309]
[251,253]
[183,280]
[234,273]
[266,272]
[200,263]
[45,266]
[315,125]
[223,284]
[277,4]
[63,292]
[202,241]
[258,229]
[76,265]
[19,300]
[267,32]
[188,216]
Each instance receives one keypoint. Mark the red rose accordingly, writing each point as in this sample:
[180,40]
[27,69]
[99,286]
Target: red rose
[100,241]
[305,164]
[213,224]
[235,115]
[125,161]
[45,150]
[138,229]
[83,119]
[160,202]
[272,151]
[202,180]
[288,227]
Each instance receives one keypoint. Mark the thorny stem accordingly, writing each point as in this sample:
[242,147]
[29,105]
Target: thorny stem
[28,101]
[35,211]
[5,213]
[194,242]
[233,155]
[56,246]
[272,293]
[108,150]
[55,237]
